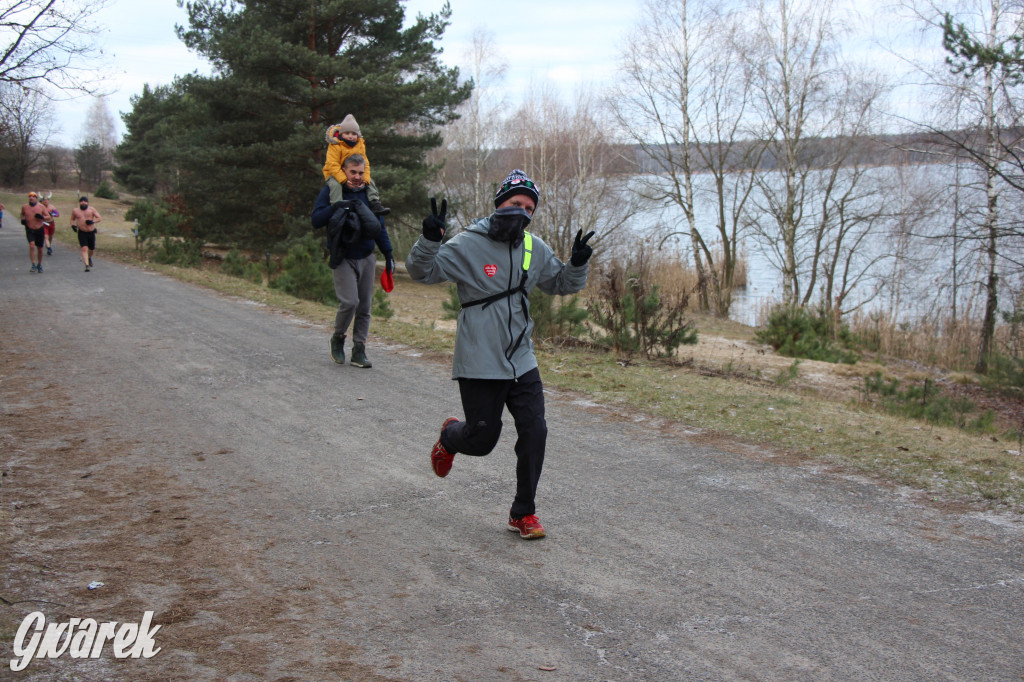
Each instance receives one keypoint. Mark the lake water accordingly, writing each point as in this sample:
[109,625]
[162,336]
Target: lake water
[906,258]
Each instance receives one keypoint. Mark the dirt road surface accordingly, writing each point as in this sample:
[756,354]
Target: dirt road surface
[203,458]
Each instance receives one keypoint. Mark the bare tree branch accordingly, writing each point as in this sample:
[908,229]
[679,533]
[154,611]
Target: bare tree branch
[49,43]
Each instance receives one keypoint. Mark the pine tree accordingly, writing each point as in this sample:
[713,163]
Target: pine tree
[968,54]
[147,156]
[250,142]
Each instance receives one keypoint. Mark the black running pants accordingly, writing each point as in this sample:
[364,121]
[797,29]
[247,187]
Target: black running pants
[483,401]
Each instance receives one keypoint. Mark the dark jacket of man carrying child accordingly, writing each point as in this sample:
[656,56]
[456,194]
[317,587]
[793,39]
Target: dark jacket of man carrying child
[352,259]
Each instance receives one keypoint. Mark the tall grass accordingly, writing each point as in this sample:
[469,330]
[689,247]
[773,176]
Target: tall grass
[952,344]
[945,342]
[677,276]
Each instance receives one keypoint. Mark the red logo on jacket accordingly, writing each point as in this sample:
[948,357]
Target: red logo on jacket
[491,270]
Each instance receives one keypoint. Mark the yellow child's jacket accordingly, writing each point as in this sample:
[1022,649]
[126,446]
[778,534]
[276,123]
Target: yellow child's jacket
[337,152]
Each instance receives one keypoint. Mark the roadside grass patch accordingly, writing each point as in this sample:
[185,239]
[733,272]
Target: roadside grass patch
[942,461]
[923,401]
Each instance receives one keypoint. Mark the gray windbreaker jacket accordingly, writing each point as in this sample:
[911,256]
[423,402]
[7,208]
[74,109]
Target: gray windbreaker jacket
[483,267]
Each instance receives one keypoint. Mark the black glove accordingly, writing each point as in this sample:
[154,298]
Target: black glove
[24,223]
[39,215]
[581,251]
[88,222]
[74,228]
[433,224]
[389,263]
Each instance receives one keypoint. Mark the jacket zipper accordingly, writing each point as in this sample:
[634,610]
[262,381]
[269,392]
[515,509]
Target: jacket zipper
[511,338]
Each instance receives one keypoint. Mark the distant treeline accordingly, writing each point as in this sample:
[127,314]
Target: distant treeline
[882,150]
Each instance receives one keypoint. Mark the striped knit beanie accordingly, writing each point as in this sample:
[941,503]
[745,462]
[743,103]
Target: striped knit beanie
[517,183]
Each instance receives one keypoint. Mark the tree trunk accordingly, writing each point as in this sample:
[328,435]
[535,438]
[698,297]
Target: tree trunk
[988,324]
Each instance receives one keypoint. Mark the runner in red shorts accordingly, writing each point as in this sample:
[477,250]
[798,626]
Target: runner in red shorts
[50,226]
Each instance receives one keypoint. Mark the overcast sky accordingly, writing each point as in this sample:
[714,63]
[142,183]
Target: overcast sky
[568,44]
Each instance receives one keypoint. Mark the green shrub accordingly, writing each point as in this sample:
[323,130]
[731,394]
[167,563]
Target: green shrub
[796,332]
[554,320]
[787,376]
[156,220]
[184,252]
[1006,373]
[451,307]
[381,306]
[237,265]
[925,402]
[304,272]
[165,232]
[633,314]
[105,191]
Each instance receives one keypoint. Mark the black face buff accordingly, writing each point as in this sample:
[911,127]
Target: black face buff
[508,224]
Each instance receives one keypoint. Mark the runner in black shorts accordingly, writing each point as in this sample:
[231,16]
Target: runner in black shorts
[87,240]
[33,215]
[36,238]
[83,221]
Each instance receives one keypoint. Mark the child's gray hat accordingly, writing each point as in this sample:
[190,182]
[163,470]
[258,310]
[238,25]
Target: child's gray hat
[349,125]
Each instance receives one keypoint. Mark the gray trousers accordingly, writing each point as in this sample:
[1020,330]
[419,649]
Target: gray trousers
[353,285]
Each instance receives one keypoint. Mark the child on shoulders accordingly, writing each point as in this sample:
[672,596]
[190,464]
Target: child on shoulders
[344,140]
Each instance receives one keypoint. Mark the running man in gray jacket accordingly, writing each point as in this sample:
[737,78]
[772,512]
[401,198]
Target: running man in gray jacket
[495,264]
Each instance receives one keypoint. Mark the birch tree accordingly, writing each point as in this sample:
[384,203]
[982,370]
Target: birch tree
[854,199]
[26,122]
[793,59]
[990,90]
[683,99]
[981,97]
[468,168]
[816,194]
[568,151]
[100,127]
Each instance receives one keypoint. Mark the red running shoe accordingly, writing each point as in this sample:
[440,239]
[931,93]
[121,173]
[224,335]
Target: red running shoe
[529,527]
[440,459]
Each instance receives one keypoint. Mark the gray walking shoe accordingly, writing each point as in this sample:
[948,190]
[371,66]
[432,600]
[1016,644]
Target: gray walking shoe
[338,348]
[359,356]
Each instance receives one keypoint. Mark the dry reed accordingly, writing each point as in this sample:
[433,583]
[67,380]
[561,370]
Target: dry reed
[944,342]
[674,275]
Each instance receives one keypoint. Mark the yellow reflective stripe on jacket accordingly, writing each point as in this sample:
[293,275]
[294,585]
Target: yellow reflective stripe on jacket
[527,249]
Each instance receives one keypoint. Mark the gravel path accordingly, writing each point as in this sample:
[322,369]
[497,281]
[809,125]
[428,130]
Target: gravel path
[204,459]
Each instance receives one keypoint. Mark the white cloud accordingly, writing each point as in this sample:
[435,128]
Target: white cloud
[141,47]
[567,45]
